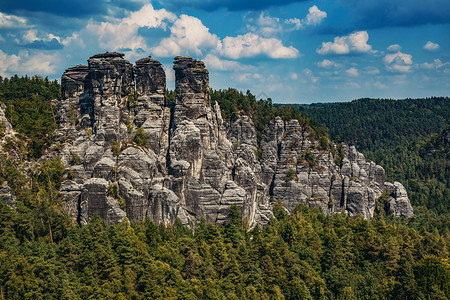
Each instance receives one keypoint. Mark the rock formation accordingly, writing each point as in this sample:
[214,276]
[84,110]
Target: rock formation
[186,162]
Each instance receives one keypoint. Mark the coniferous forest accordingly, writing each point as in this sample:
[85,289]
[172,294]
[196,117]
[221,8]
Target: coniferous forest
[304,255]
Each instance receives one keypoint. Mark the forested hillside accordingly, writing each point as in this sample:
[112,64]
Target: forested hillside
[406,137]
[30,111]
[305,255]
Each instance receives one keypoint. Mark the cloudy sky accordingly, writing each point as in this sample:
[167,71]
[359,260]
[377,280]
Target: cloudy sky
[294,51]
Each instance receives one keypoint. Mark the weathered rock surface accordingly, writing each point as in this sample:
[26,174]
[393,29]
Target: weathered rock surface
[193,164]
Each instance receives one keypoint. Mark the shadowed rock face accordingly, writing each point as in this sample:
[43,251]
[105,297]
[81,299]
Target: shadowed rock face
[150,77]
[192,164]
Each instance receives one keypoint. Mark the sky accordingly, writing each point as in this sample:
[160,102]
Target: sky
[293,51]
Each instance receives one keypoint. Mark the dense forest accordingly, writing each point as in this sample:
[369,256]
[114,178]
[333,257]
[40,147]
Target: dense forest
[406,137]
[304,255]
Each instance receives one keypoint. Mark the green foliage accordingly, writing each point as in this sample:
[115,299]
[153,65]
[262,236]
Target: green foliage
[129,125]
[140,138]
[290,175]
[30,110]
[305,255]
[116,148]
[2,128]
[259,153]
[308,157]
[132,99]
[75,159]
[170,97]
[113,190]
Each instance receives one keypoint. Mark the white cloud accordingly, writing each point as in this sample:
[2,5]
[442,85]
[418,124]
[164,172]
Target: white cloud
[398,62]
[294,76]
[264,25]
[309,76]
[249,76]
[148,17]
[213,62]
[314,17]
[352,72]
[188,35]
[328,64]
[11,21]
[394,48]
[120,33]
[26,63]
[31,36]
[436,64]
[353,43]
[430,46]
[250,44]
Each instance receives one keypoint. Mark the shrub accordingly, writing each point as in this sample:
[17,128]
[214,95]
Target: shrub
[290,175]
[140,138]
[116,148]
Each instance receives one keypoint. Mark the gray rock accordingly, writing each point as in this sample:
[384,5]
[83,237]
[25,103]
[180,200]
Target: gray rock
[398,203]
[6,195]
[193,164]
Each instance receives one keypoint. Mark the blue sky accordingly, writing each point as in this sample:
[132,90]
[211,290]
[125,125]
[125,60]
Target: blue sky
[292,51]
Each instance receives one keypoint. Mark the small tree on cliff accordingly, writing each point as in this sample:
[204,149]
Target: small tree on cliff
[140,138]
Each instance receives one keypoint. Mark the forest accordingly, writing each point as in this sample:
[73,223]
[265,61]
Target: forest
[304,255]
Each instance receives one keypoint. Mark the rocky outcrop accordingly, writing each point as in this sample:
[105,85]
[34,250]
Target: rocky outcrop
[187,162]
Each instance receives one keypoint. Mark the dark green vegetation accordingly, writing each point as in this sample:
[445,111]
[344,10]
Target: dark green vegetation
[406,137]
[305,255]
[29,109]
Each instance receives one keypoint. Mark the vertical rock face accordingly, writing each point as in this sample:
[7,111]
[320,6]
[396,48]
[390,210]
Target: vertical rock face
[191,88]
[189,163]
[150,80]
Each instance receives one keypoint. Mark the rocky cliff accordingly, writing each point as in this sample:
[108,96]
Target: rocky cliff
[130,154]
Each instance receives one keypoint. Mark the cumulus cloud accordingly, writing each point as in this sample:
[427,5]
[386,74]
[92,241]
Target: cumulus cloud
[314,17]
[27,63]
[430,46]
[250,44]
[12,21]
[149,17]
[394,48]
[263,25]
[436,64]
[352,72]
[121,33]
[353,43]
[328,64]
[188,35]
[48,41]
[269,26]
[398,62]
[213,62]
